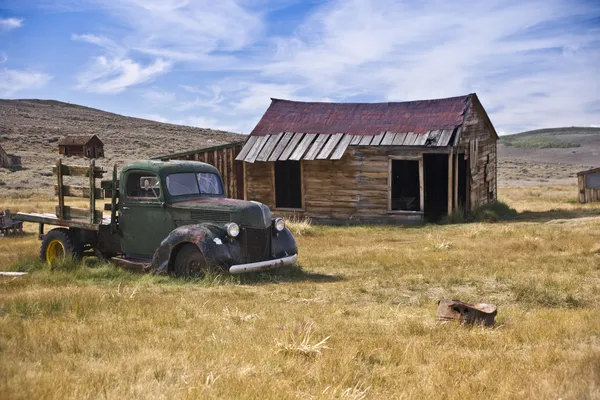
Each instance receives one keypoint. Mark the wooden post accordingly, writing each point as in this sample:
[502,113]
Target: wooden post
[421,183]
[113,201]
[92,191]
[450,181]
[456,180]
[389,199]
[61,198]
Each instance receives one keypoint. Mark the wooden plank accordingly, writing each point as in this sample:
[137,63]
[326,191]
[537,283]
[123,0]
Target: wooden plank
[246,149]
[287,136]
[269,147]
[78,191]
[303,146]
[366,140]
[399,139]
[80,214]
[421,139]
[421,185]
[92,191]
[78,170]
[388,139]
[60,211]
[444,137]
[410,139]
[456,180]
[328,148]
[377,139]
[433,137]
[355,140]
[450,180]
[289,149]
[316,146]
[255,150]
[341,148]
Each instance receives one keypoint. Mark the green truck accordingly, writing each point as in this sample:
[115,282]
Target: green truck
[165,217]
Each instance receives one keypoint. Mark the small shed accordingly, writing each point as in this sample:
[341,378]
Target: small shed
[397,162]
[589,185]
[87,146]
[223,158]
[8,160]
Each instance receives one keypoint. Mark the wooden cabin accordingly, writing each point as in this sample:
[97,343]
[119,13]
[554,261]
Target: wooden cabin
[223,158]
[85,146]
[589,185]
[9,161]
[396,163]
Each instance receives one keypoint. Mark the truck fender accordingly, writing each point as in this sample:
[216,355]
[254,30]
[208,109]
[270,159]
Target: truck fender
[284,244]
[211,239]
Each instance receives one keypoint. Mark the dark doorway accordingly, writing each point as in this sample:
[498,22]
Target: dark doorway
[288,184]
[436,186]
[462,182]
[405,185]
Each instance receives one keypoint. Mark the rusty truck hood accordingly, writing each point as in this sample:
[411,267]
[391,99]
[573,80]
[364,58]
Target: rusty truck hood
[220,210]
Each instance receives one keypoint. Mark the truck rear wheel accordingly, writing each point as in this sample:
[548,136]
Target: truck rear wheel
[189,262]
[58,244]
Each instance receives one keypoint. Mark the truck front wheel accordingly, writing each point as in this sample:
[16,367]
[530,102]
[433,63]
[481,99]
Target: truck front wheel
[58,244]
[189,262]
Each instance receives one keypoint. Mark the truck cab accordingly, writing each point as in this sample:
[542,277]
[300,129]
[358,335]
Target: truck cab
[173,217]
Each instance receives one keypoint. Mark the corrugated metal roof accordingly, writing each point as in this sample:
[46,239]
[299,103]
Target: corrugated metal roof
[362,118]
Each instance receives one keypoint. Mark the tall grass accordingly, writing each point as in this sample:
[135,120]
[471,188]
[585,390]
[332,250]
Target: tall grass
[97,331]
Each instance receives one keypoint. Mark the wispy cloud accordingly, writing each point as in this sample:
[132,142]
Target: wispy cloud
[14,81]
[116,74]
[10,23]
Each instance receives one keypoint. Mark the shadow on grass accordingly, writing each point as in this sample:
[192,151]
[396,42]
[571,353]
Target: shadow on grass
[544,216]
[293,273]
[90,269]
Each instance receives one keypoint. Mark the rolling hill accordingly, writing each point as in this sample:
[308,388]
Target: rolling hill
[32,128]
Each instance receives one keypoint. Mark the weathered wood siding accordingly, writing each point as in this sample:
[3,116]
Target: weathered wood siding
[351,190]
[477,137]
[587,194]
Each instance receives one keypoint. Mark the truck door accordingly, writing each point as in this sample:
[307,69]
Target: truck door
[143,218]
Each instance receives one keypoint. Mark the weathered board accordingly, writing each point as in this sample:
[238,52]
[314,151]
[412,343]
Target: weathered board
[246,149]
[341,148]
[291,147]
[281,146]
[255,150]
[269,147]
[329,146]
[316,147]
[79,191]
[302,147]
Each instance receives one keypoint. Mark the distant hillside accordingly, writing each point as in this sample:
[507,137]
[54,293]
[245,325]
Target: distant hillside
[32,128]
[553,138]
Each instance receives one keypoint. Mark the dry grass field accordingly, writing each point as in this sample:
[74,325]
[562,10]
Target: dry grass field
[355,321]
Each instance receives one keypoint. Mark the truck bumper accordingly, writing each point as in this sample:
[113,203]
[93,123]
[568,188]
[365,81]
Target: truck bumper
[263,265]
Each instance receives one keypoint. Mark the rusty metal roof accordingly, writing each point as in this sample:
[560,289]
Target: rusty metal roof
[76,140]
[362,118]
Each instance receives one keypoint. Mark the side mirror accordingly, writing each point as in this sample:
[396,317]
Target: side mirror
[149,182]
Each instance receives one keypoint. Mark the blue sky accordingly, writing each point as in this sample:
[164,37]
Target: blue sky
[215,64]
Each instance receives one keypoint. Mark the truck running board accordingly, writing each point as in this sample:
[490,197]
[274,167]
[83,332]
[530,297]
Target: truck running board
[133,264]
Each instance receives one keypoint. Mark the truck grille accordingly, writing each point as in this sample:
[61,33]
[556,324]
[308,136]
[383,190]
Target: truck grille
[256,244]
[210,216]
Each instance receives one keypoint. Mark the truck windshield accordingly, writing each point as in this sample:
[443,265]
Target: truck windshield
[194,183]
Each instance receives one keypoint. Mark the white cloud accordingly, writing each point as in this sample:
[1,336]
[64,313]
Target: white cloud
[116,74]
[10,23]
[107,44]
[159,96]
[14,81]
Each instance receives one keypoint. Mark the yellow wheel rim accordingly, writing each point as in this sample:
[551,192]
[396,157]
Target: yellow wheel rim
[55,250]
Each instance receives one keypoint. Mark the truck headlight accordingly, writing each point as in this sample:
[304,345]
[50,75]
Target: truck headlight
[233,229]
[279,224]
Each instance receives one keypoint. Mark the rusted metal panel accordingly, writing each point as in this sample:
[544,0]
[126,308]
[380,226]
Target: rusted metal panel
[361,118]
[341,148]
[450,310]
[329,146]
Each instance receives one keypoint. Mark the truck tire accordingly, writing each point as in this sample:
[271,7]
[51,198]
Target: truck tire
[189,262]
[58,244]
